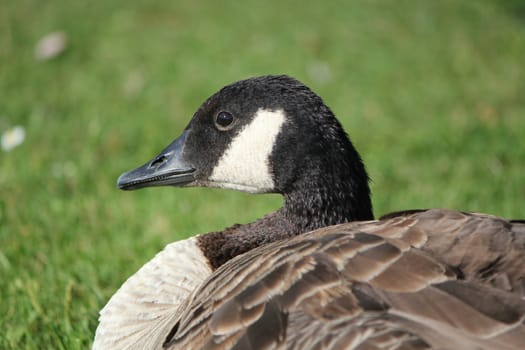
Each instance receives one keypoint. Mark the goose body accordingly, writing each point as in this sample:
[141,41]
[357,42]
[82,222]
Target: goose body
[319,273]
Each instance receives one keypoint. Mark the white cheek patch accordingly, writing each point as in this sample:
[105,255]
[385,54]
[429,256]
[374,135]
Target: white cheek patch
[244,166]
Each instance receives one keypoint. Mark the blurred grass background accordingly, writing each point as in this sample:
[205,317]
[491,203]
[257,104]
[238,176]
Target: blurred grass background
[431,92]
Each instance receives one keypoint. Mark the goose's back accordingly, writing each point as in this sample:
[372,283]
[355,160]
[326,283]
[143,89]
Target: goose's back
[435,279]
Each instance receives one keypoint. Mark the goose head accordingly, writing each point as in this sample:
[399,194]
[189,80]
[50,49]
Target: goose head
[268,134]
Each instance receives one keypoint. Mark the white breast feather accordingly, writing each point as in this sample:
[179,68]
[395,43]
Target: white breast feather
[138,315]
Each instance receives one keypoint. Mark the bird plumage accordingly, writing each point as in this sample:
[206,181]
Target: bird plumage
[319,273]
[435,279]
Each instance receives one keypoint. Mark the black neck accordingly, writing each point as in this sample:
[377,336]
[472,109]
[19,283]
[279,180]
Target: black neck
[303,210]
[322,206]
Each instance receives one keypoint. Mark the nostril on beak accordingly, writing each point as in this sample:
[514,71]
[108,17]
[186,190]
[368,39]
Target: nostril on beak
[158,161]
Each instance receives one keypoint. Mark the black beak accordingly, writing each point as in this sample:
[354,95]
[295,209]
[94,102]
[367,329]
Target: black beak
[168,168]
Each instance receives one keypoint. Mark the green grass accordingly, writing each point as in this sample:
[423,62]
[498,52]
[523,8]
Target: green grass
[431,92]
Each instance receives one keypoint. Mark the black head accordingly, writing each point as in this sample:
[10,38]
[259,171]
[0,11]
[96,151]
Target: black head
[264,134]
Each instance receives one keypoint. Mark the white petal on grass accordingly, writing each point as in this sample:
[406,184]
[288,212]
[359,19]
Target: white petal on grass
[50,46]
[12,138]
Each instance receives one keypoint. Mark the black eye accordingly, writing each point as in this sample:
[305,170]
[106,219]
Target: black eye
[224,120]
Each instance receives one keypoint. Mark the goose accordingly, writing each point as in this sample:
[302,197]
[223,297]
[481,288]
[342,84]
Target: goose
[320,272]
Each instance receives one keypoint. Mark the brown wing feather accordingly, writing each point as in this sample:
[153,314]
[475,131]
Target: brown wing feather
[433,279]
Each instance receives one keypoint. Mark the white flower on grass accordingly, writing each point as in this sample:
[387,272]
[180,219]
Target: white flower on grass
[12,138]
[51,46]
